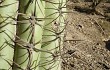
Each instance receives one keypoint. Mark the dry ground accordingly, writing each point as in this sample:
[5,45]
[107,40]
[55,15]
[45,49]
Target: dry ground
[87,40]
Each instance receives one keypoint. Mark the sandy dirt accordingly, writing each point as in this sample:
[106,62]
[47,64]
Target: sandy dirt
[87,38]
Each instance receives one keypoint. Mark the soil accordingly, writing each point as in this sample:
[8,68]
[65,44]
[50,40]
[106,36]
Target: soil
[87,37]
